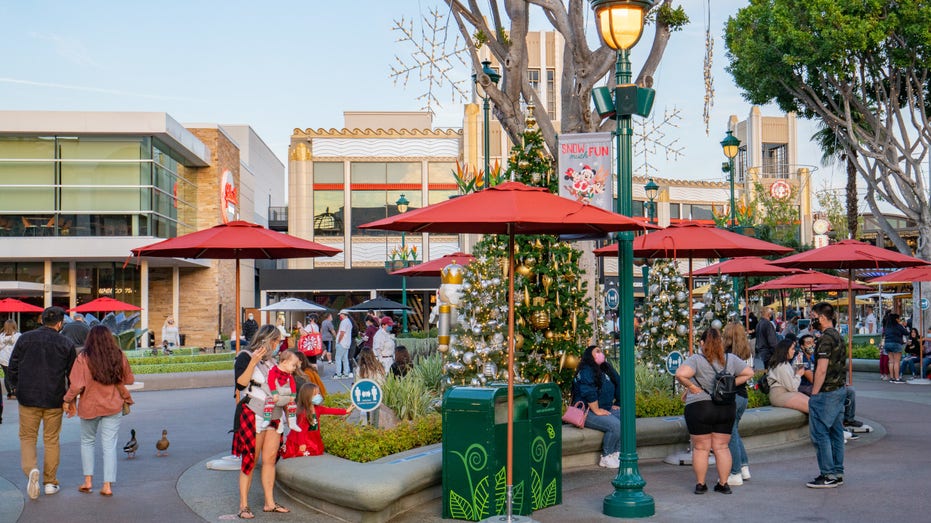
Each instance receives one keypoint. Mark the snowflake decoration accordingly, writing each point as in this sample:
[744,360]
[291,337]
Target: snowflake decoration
[650,136]
[433,58]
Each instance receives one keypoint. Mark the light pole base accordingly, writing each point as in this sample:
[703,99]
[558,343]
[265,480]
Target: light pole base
[504,518]
[628,504]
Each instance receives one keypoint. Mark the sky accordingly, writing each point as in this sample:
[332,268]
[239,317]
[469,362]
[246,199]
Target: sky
[282,65]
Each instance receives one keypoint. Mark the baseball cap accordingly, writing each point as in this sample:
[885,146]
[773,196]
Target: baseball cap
[387,321]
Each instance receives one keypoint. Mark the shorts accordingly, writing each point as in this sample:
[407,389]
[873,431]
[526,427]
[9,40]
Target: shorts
[704,417]
[893,347]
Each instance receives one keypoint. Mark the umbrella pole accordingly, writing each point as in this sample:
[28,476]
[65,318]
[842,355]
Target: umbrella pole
[691,323]
[921,345]
[850,326]
[238,312]
[510,449]
[747,305]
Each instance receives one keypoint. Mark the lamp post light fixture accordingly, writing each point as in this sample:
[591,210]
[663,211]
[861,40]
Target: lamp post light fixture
[494,77]
[731,145]
[651,190]
[620,23]
[403,204]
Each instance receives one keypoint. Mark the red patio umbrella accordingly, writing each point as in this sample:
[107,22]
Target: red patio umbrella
[812,280]
[511,208]
[849,255]
[104,304]
[236,240]
[14,305]
[745,266]
[696,240]
[917,275]
[435,267]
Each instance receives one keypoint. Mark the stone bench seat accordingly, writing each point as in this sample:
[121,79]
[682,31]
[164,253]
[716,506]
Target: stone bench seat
[378,491]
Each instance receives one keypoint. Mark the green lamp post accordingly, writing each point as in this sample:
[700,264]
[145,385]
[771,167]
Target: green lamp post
[731,145]
[652,190]
[620,24]
[403,204]
[494,77]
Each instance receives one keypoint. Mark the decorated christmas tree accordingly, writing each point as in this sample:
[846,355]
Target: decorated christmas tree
[716,306]
[552,324]
[665,316]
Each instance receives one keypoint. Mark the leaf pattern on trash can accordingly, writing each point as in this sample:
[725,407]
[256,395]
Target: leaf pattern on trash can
[459,507]
[480,499]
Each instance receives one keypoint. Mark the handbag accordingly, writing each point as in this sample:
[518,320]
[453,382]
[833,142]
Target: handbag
[125,408]
[311,344]
[575,414]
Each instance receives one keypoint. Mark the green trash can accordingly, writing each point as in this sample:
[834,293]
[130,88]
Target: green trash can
[475,453]
[545,444]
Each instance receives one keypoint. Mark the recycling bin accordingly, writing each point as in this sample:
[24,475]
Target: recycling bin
[545,444]
[475,453]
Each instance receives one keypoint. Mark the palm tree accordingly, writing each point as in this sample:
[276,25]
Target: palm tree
[832,148]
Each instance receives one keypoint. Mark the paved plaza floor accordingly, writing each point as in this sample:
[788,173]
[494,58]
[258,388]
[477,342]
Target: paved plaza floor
[887,472]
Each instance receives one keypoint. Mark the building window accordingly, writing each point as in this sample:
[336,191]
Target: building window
[533,76]
[328,172]
[551,92]
[375,204]
[638,209]
[775,161]
[329,215]
[699,212]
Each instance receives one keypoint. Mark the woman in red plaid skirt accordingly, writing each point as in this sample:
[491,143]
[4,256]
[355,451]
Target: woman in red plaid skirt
[251,372]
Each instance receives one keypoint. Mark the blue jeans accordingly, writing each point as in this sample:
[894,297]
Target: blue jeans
[850,405]
[736,445]
[342,359]
[109,429]
[826,425]
[909,365]
[611,426]
[925,366]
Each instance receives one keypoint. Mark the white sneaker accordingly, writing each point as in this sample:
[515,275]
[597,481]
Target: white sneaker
[610,461]
[847,435]
[735,480]
[32,488]
[51,488]
[349,376]
[745,472]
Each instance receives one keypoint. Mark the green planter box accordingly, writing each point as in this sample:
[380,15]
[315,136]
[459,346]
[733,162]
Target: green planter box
[475,450]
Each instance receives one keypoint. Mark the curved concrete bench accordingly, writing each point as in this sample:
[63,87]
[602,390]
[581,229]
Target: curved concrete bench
[378,491]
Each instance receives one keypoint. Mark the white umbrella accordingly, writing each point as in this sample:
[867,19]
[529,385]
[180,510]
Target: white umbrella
[293,304]
[883,295]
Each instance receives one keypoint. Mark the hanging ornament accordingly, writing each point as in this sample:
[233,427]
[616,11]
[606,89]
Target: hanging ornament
[530,261]
[547,282]
[709,316]
[490,370]
[549,335]
[540,319]
[526,297]
[716,324]
[467,357]
[681,296]
[518,341]
[474,382]
[682,330]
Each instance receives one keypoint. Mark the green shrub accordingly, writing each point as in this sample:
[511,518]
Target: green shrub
[756,398]
[364,443]
[659,404]
[174,358]
[430,370]
[407,396]
[867,352]
[165,368]
[650,380]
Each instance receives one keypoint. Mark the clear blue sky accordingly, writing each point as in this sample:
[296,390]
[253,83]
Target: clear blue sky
[286,64]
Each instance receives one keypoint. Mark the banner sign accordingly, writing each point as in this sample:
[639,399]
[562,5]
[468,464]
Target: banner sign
[585,168]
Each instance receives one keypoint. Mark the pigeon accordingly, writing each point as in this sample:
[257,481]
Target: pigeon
[130,447]
[162,444]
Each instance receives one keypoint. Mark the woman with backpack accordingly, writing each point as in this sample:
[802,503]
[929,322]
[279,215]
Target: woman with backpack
[710,380]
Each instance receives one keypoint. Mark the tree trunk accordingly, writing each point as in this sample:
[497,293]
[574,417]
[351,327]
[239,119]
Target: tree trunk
[852,201]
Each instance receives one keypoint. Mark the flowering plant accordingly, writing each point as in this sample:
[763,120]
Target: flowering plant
[584,184]
[406,253]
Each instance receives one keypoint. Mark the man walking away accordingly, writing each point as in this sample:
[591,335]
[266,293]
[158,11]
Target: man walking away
[766,339]
[826,405]
[77,330]
[343,342]
[328,335]
[249,328]
[39,366]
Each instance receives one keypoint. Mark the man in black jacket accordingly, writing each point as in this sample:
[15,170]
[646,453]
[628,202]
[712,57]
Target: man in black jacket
[77,330]
[766,338]
[39,368]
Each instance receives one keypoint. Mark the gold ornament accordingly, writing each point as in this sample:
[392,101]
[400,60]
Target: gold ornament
[526,297]
[503,263]
[518,341]
[549,335]
[520,321]
[530,261]
[540,319]
[547,281]
[524,270]
[452,274]
[523,164]
[574,324]
[539,301]
[568,361]
[531,121]
[538,245]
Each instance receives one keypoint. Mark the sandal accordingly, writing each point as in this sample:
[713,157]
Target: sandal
[85,490]
[246,513]
[277,508]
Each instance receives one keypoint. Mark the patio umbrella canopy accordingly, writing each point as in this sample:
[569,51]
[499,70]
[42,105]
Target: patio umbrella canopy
[696,240]
[105,304]
[379,304]
[236,240]
[435,267]
[511,208]
[293,304]
[849,255]
[14,305]
[812,280]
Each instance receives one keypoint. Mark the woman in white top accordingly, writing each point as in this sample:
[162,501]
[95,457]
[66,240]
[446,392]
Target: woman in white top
[170,333]
[784,378]
[7,339]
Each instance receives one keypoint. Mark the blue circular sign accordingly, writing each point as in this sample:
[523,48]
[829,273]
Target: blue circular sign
[366,395]
[612,298]
[673,360]
[924,304]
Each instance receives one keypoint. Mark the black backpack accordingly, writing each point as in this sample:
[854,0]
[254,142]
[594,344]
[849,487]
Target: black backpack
[723,387]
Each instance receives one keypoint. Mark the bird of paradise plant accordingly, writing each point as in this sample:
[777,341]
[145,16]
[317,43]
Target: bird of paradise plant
[469,179]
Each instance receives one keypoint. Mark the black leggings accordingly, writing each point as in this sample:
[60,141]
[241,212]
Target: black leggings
[704,417]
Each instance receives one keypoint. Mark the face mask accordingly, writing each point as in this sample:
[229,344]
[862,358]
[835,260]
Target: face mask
[317,399]
[599,357]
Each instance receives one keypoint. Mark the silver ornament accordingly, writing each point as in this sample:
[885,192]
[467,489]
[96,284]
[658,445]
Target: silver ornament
[475,383]
[467,357]
[682,330]
[709,316]
[716,324]
[454,354]
[490,370]
[681,296]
